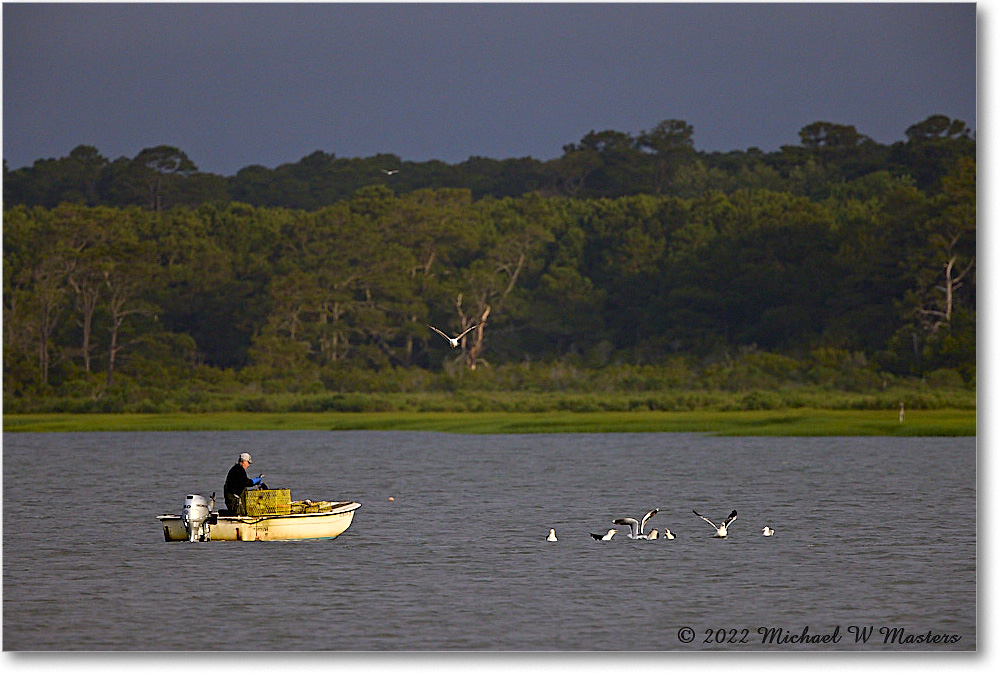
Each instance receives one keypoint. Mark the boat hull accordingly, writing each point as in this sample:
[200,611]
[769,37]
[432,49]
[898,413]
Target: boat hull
[324,525]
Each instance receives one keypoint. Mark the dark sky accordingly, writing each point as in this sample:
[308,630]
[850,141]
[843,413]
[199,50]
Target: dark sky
[239,84]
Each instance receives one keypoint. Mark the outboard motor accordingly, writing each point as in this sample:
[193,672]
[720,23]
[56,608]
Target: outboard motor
[197,517]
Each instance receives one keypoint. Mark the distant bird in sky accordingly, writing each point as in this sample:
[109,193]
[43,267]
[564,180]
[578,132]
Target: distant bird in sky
[637,527]
[453,341]
[767,531]
[605,537]
[720,530]
[552,535]
[390,172]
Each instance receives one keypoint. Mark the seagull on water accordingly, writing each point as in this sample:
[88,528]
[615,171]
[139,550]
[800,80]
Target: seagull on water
[767,531]
[552,535]
[605,537]
[637,527]
[453,341]
[667,534]
[720,530]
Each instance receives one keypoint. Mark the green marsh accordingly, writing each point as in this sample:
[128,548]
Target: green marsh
[790,422]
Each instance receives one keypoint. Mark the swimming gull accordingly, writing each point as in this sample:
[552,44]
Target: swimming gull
[636,527]
[552,535]
[767,531]
[605,537]
[720,530]
[667,534]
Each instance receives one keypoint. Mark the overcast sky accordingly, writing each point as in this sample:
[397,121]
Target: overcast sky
[238,84]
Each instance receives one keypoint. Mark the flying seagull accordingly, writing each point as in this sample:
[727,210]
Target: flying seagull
[389,172]
[637,527]
[720,530]
[552,535]
[605,537]
[453,341]
[767,531]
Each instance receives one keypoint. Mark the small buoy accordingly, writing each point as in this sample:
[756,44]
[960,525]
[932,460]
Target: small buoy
[391,499]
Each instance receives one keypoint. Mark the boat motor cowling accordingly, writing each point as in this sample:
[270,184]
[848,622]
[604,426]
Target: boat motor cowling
[197,517]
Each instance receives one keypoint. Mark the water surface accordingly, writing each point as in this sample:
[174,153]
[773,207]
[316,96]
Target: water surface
[874,533]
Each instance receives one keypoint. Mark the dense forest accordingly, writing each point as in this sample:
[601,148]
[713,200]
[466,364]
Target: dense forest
[628,264]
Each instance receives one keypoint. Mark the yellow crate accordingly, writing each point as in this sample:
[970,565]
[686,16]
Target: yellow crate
[267,502]
[313,507]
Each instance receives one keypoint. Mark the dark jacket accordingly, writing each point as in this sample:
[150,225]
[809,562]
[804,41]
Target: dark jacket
[237,481]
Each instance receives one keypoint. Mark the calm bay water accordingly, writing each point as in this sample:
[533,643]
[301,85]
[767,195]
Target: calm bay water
[872,533]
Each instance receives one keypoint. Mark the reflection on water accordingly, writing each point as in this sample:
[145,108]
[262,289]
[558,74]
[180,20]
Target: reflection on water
[458,560]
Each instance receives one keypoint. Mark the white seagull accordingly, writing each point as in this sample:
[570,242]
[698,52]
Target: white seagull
[667,534]
[453,341]
[637,527]
[389,172]
[767,531]
[605,537]
[720,530]
[654,534]
[552,535]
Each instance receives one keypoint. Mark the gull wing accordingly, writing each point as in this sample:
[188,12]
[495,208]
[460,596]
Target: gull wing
[439,332]
[705,519]
[459,337]
[731,518]
[642,523]
[631,522]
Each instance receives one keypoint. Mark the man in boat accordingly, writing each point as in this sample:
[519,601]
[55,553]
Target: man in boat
[237,481]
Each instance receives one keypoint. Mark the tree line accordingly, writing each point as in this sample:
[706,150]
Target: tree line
[660,161]
[831,256]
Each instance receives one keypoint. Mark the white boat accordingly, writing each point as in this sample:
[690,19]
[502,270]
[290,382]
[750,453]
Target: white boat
[197,522]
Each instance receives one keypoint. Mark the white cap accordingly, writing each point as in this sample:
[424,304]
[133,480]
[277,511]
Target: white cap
[246,456]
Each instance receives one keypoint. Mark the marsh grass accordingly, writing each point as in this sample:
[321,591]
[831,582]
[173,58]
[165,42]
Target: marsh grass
[790,422]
